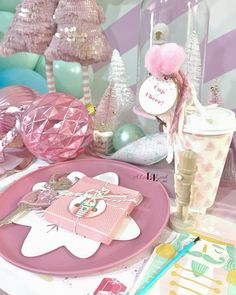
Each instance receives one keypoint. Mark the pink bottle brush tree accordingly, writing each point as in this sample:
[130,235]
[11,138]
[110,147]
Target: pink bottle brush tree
[79,37]
[107,113]
[106,121]
[215,96]
[31,31]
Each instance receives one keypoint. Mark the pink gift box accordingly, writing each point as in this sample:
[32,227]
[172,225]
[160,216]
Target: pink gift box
[119,202]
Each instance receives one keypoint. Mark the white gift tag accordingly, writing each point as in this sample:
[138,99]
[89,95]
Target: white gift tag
[87,208]
[157,96]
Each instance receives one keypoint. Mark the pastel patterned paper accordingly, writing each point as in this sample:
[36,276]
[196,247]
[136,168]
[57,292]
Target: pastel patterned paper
[45,237]
[209,268]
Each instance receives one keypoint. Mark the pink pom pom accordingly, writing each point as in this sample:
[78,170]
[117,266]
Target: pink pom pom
[164,60]
[172,57]
[152,60]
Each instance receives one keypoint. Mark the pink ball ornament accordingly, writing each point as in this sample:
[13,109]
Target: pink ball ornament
[56,127]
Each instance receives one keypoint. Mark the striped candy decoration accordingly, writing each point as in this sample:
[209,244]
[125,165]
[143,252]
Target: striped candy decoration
[86,85]
[50,76]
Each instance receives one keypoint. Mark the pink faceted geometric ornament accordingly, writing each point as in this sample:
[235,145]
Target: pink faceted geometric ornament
[56,127]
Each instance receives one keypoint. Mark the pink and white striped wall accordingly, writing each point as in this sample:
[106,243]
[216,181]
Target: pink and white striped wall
[122,26]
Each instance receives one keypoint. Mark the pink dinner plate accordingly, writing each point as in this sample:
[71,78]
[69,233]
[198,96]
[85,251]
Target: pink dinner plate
[151,215]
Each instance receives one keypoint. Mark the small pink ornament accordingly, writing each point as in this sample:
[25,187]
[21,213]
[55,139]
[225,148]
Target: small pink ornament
[164,60]
[13,100]
[17,96]
[56,127]
[110,286]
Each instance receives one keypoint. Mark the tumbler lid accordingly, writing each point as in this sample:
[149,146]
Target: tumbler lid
[217,121]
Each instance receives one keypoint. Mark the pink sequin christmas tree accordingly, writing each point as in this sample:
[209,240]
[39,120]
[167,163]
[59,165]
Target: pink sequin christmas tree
[79,37]
[31,31]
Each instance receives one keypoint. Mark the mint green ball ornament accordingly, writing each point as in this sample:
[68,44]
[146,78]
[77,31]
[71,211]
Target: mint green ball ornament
[126,134]
[6,19]
[9,5]
[18,60]
[68,76]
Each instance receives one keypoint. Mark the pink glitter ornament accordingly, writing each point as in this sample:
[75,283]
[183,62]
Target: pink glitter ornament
[56,127]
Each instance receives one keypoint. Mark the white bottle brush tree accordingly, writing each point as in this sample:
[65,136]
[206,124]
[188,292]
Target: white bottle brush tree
[116,105]
[119,78]
[193,64]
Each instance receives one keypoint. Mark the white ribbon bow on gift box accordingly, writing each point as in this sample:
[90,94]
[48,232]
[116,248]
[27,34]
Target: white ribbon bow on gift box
[93,202]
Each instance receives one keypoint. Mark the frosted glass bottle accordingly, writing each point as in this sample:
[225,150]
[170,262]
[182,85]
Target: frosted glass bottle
[185,22]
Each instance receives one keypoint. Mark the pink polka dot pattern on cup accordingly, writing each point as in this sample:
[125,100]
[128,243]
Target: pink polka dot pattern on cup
[210,146]
[212,151]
